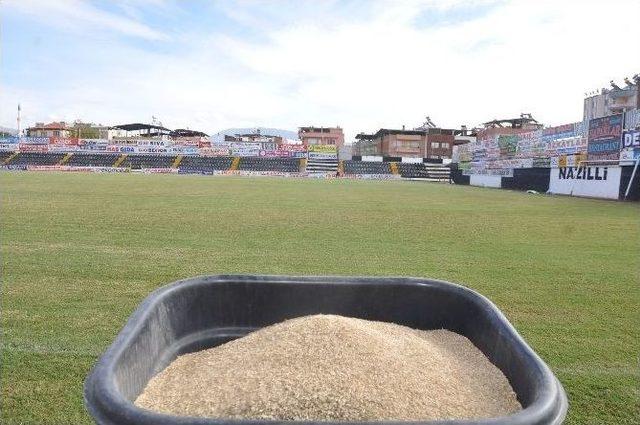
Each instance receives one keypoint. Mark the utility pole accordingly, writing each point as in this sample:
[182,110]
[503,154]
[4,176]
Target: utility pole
[18,120]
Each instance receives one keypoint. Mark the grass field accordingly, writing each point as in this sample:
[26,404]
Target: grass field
[80,251]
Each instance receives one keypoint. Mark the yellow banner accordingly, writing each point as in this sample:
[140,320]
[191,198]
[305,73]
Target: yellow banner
[322,148]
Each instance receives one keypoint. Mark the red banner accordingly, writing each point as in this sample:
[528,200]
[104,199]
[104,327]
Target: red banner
[33,148]
[67,141]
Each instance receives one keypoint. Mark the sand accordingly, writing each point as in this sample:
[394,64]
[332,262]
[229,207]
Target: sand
[326,367]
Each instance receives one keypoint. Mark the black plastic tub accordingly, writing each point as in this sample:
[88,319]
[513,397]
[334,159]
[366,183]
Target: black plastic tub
[203,312]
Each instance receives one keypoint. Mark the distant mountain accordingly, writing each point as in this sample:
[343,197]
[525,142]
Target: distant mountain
[7,130]
[287,134]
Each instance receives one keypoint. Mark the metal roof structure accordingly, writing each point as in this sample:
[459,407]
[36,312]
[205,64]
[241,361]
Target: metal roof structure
[139,126]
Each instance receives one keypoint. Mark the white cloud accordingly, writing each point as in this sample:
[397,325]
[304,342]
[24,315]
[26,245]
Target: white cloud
[382,71]
[78,16]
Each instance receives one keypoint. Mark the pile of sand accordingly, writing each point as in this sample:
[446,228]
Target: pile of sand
[334,368]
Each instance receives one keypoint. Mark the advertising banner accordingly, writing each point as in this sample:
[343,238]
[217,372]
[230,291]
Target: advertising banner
[559,132]
[93,148]
[632,119]
[8,147]
[10,140]
[214,151]
[63,148]
[275,154]
[122,148]
[33,148]
[164,170]
[507,172]
[249,146]
[630,154]
[541,162]
[631,139]
[597,182]
[605,135]
[508,145]
[66,141]
[485,180]
[245,151]
[630,146]
[292,148]
[34,140]
[153,149]
[76,168]
[328,149]
[185,150]
[321,155]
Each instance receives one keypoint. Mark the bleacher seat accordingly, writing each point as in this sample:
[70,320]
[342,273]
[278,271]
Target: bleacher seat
[410,170]
[4,155]
[37,158]
[432,172]
[203,164]
[284,165]
[137,162]
[93,159]
[364,167]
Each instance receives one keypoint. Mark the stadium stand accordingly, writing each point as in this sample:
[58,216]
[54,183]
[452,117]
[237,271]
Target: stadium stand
[412,170]
[33,158]
[431,172]
[204,164]
[363,167]
[137,162]
[4,155]
[322,166]
[284,165]
[92,159]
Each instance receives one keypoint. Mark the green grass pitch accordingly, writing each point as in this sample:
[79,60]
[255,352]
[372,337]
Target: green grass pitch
[80,251]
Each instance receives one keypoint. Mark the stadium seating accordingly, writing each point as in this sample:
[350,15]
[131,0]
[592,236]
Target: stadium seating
[432,172]
[204,164]
[93,159]
[137,162]
[322,166]
[364,167]
[284,165]
[33,158]
[4,155]
[412,170]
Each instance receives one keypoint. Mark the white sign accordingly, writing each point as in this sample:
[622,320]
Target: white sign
[485,180]
[596,182]
[320,155]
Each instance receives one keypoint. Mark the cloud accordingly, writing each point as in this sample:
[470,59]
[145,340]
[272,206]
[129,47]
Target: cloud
[362,65]
[77,16]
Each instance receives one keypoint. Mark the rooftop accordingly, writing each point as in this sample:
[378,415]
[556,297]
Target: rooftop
[140,126]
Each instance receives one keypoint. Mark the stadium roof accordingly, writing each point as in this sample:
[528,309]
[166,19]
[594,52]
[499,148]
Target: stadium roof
[182,132]
[512,122]
[140,126]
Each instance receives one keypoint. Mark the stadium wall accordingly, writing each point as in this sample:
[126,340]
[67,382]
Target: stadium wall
[605,182]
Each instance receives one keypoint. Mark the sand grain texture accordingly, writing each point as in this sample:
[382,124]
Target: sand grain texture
[327,367]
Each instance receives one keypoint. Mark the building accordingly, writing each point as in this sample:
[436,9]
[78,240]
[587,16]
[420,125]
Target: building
[321,136]
[256,137]
[524,124]
[615,100]
[53,129]
[464,136]
[433,143]
[83,130]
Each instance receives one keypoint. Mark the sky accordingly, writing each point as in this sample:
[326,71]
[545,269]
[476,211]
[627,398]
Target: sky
[359,64]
